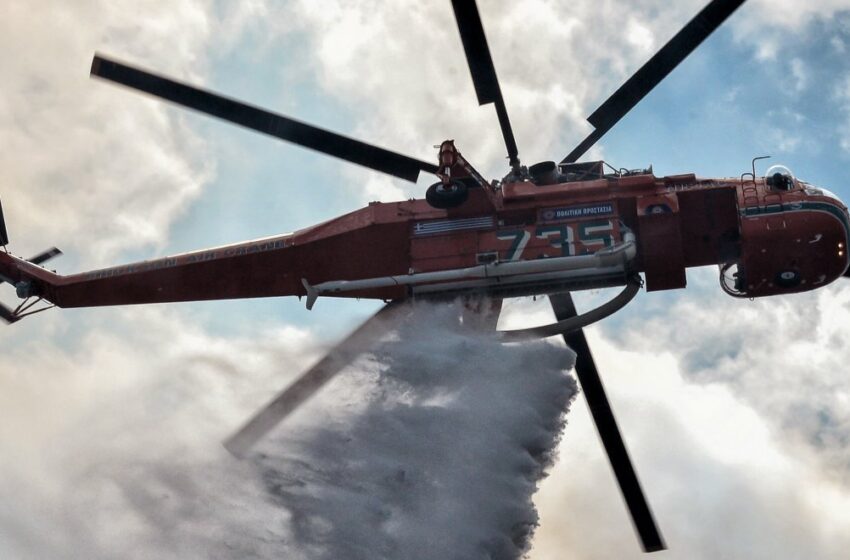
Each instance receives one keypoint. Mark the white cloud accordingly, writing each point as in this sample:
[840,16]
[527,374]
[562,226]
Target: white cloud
[641,37]
[115,440]
[118,170]
[791,15]
[773,25]
[784,357]
[735,414]
[722,481]
[85,164]
[547,54]
[800,74]
[842,95]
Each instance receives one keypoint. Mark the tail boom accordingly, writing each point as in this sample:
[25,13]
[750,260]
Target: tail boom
[270,267]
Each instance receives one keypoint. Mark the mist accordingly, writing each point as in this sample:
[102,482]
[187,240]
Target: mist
[430,445]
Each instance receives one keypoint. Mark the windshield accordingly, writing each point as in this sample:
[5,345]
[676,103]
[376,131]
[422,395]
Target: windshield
[818,191]
[779,178]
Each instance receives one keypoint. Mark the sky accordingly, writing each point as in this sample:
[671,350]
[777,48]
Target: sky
[737,413]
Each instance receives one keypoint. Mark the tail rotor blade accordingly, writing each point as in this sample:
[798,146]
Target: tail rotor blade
[4,236]
[311,381]
[654,71]
[273,124]
[7,315]
[45,256]
[609,433]
[482,69]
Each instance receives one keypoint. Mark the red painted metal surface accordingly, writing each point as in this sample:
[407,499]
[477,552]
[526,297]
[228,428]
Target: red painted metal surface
[781,242]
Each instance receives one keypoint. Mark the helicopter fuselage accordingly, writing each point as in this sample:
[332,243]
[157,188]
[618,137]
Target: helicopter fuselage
[512,239]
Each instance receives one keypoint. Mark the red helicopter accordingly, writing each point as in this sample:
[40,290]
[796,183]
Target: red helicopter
[545,229]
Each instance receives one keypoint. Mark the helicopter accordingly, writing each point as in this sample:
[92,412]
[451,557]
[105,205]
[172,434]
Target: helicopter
[545,229]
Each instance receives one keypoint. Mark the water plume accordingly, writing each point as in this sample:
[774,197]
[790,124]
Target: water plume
[442,458]
[431,445]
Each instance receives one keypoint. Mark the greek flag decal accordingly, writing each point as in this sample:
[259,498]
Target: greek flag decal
[448,226]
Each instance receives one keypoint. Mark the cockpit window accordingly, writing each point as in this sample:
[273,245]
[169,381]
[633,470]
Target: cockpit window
[779,178]
[811,190]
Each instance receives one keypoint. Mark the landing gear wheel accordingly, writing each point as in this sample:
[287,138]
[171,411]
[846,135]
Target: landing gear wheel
[442,196]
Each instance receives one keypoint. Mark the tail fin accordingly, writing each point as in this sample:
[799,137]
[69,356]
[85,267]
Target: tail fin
[26,276]
[33,284]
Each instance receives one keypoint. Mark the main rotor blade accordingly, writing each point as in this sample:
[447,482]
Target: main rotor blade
[482,69]
[606,425]
[309,383]
[651,74]
[261,120]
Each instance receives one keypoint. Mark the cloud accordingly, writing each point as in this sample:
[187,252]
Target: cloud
[774,27]
[432,444]
[722,479]
[111,447]
[85,164]
[735,414]
[783,357]
[798,71]
[842,95]
[727,391]
[546,53]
